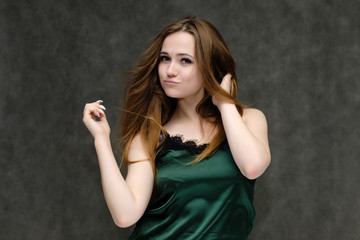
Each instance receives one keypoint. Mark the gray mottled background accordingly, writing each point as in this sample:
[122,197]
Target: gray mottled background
[297,61]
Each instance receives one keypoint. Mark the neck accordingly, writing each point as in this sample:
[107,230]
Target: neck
[186,109]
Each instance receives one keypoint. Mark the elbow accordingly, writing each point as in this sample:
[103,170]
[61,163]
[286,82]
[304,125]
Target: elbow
[256,169]
[252,173]
[123,222]
[126,217]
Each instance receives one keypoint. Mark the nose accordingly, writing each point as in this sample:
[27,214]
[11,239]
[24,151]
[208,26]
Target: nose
[171,70]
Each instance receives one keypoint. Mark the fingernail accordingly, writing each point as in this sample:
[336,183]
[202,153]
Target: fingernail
[100,101]
[100,110]
[102,107]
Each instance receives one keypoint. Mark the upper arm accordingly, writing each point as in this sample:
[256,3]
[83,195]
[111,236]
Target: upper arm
[140,176]
[256,122]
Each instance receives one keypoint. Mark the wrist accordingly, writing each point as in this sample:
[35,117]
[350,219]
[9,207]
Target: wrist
[101,140]
[225,106]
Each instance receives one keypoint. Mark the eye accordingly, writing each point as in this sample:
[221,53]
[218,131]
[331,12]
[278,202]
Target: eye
[186,61]
[164,58]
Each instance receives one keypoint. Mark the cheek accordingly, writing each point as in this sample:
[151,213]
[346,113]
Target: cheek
[160,70]
[198,82]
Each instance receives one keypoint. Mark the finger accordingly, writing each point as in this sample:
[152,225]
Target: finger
[93,110]
[89,110]
[102,113]
[89,107]
[99,103]
[103,107]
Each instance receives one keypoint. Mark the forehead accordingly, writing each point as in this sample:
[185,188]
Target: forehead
[178,42]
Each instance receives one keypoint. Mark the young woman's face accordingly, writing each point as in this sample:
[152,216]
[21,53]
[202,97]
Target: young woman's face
[178,70]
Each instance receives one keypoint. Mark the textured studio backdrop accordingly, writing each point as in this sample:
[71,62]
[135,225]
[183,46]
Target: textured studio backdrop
[297,61]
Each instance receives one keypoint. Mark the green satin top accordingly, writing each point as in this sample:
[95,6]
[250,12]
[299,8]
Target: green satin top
[207,200]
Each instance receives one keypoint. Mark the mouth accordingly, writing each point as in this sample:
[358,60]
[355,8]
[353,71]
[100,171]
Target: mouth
[170,82]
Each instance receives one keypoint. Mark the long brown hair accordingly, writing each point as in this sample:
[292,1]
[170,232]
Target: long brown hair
[147,108]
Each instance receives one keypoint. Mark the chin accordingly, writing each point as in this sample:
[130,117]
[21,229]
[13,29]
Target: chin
[172,94]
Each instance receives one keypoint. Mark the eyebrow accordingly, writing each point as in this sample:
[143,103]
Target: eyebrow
[179,54]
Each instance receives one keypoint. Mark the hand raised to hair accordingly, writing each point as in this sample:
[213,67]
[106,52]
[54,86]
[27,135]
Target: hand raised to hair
[96,127]
[226,85]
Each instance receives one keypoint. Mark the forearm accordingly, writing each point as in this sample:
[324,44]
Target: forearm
[251,155]
[118,195]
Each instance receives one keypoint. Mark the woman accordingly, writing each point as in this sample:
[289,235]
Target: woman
[192,150]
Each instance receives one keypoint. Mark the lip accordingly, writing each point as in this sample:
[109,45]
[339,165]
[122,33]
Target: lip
[170,82]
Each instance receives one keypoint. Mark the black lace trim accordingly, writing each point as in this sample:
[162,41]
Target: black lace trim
[177,143]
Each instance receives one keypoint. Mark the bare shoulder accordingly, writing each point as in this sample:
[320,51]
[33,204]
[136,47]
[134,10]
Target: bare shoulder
[253,115]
